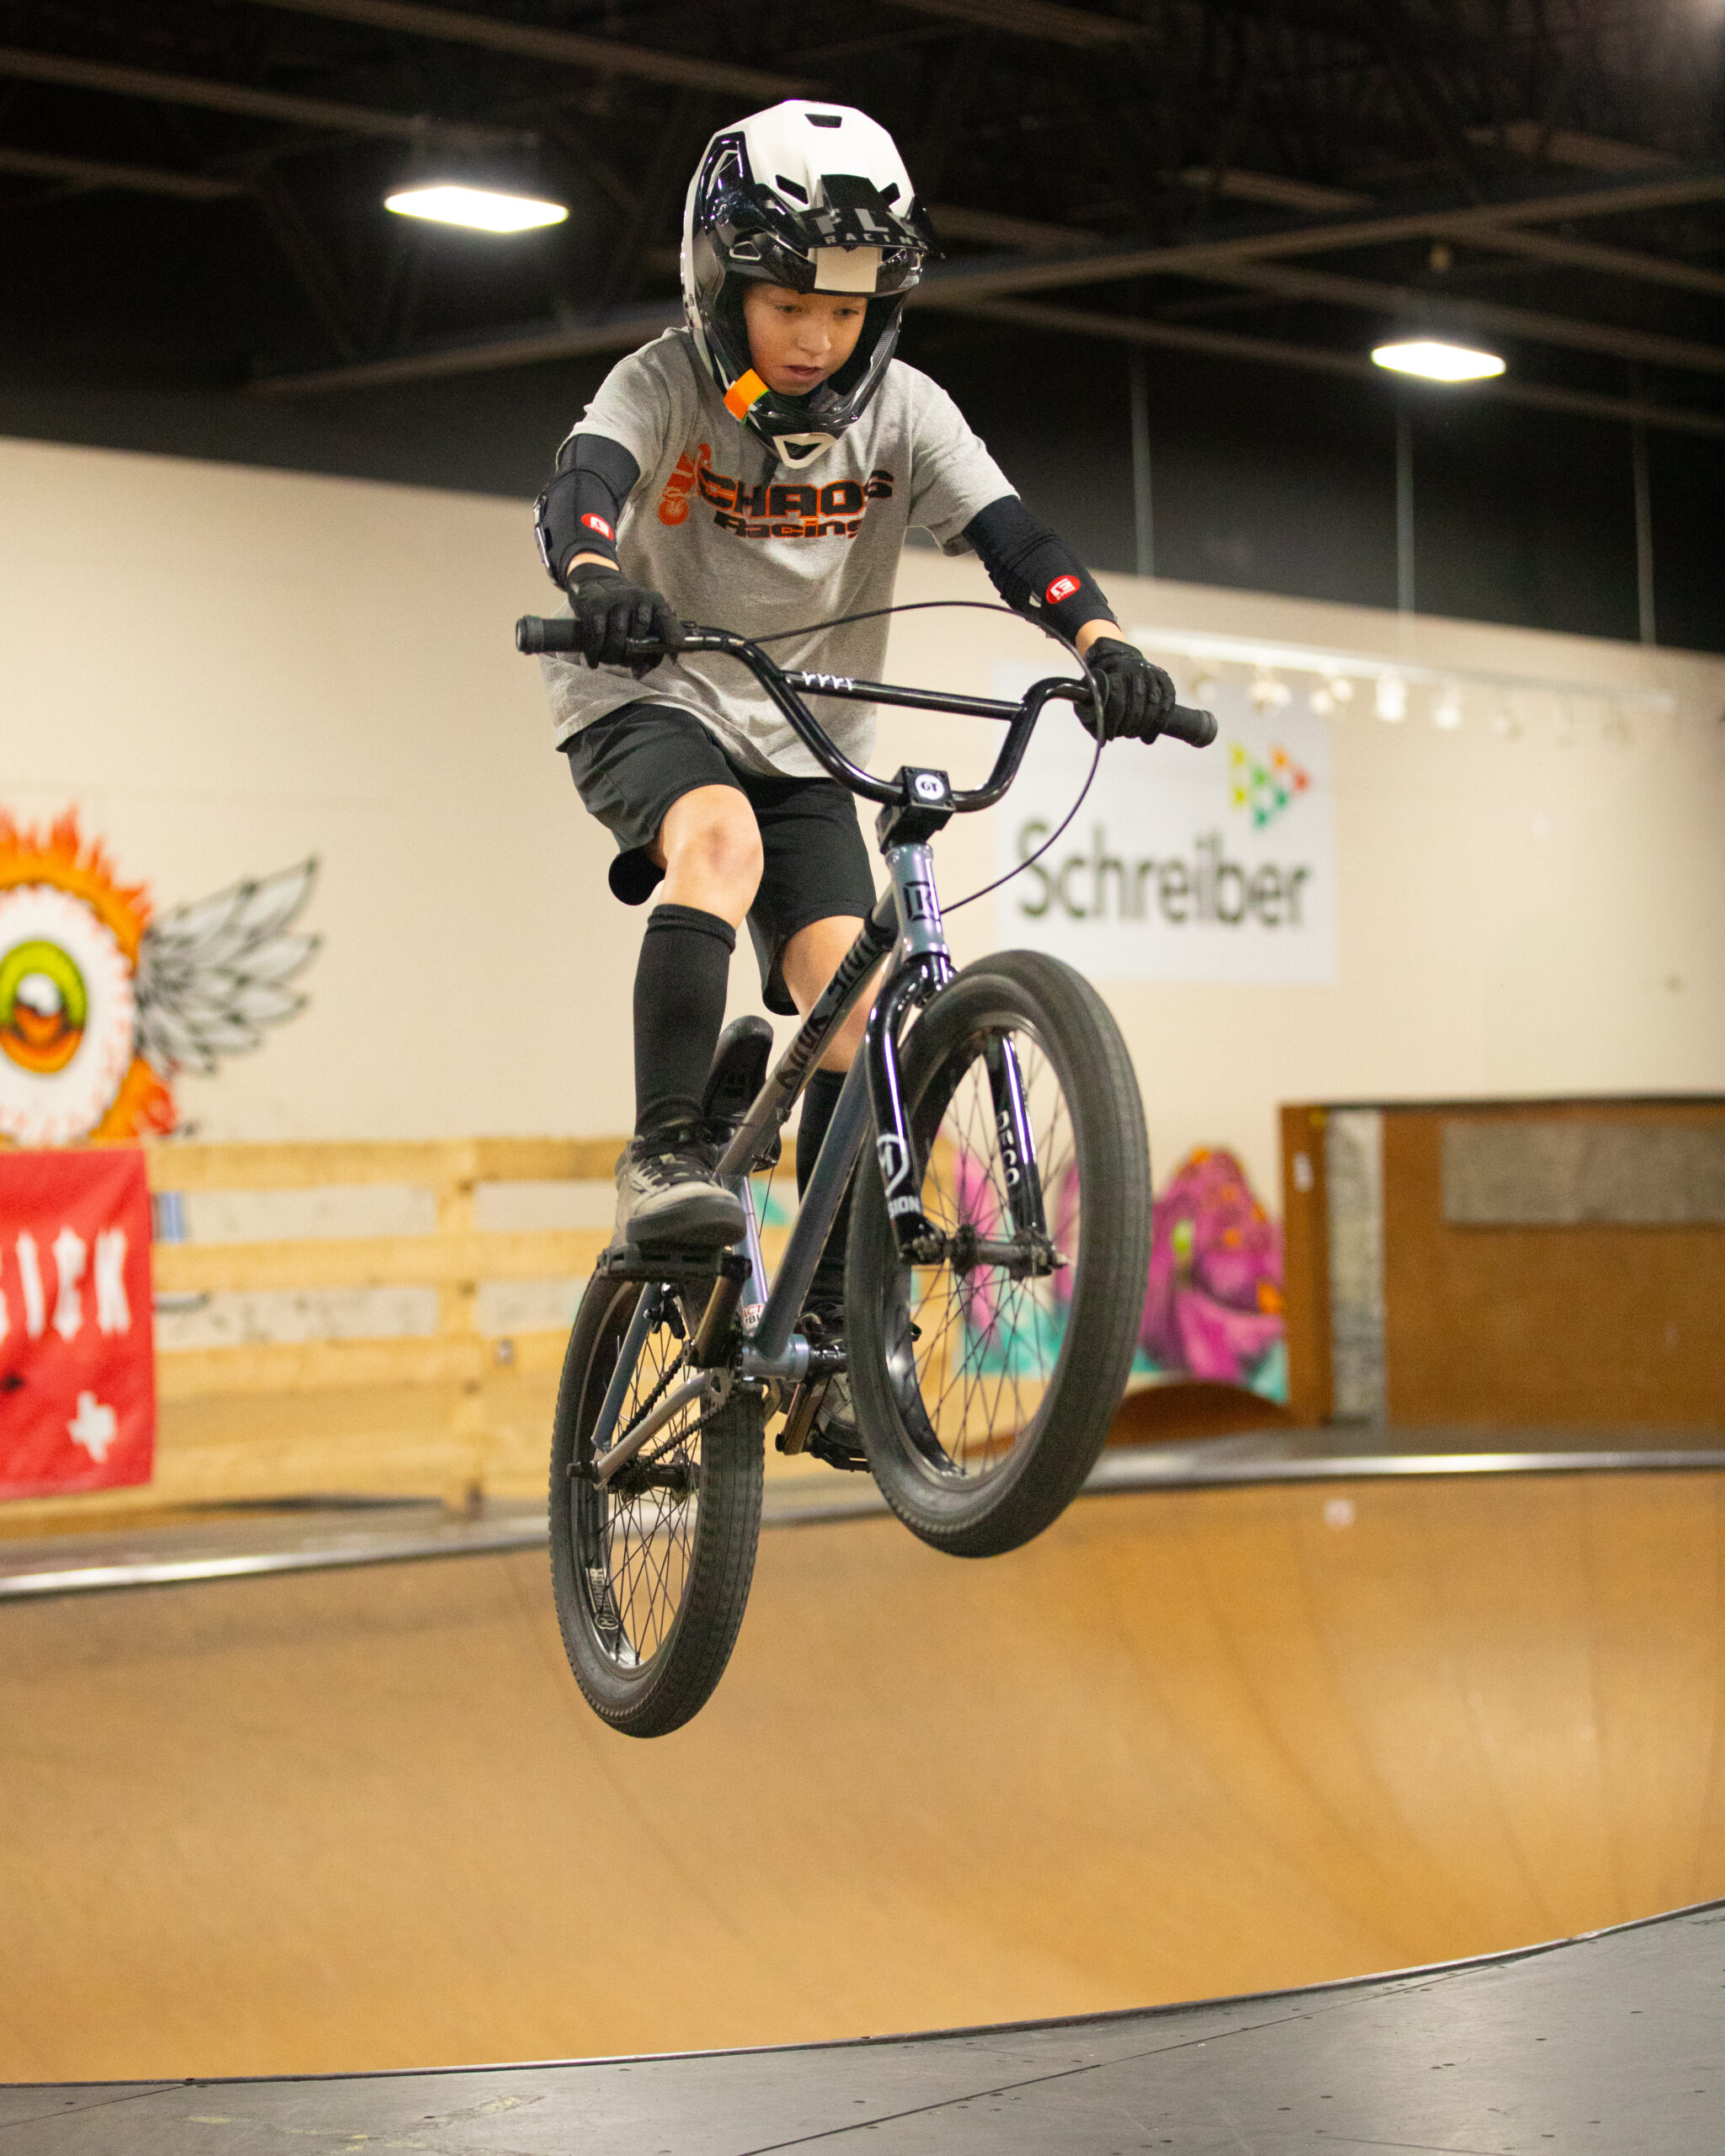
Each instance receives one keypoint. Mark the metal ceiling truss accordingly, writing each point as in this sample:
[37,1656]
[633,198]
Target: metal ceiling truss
[1135,153]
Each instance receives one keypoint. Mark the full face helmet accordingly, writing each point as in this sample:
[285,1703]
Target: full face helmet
[814,197]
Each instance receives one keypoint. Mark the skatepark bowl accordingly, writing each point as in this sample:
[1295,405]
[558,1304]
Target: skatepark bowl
[1196,1743]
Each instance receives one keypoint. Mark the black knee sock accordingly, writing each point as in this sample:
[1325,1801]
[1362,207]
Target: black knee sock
[679,992]
[820,1097]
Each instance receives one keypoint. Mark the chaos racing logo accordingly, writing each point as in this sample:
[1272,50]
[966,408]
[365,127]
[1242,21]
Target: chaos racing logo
[101,1005]
[770,510]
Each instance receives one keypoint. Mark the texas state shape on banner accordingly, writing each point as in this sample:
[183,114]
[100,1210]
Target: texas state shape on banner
[77,1406]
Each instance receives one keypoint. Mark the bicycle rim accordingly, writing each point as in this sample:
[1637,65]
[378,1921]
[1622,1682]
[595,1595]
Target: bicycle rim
[977,1348]
[635,1539]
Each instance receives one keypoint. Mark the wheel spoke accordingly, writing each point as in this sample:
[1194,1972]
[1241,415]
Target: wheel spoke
[635,1546]
[987,1343]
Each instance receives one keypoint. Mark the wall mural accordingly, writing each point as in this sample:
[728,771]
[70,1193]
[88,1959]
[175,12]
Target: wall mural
[1214,1307]
[103,1002]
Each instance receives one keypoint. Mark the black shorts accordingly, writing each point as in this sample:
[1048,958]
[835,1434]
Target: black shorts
[632,765]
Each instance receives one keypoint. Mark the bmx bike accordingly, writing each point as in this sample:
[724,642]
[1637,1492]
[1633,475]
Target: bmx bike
[994,1275]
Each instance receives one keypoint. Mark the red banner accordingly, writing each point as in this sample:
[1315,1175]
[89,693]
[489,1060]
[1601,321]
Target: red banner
[77,1363]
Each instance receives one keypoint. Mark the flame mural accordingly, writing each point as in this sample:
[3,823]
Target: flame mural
[102,1004]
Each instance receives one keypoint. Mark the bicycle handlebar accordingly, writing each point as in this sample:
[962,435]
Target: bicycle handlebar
[537,633]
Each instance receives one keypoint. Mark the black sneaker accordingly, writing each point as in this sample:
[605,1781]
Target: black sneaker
[834,1438]
[666,1194]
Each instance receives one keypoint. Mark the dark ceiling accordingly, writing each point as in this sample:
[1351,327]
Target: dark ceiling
[190,189]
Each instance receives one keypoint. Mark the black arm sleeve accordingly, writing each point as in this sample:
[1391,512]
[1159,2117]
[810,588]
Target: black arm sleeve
[1034,569]
[583,503]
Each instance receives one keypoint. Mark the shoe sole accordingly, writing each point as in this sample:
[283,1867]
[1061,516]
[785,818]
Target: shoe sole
[711,1220]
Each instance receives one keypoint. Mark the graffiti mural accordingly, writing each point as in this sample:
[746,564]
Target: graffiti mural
[103,1002]
[1214,1307]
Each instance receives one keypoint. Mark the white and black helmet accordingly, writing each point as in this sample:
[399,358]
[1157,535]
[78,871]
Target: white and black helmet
[814,197]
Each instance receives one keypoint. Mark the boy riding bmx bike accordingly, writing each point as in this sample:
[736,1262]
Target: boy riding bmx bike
[762,466]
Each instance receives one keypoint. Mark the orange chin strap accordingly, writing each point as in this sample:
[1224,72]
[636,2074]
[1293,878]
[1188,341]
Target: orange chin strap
[747,390]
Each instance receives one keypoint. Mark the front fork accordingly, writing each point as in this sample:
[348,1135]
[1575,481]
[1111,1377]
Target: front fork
[928,966]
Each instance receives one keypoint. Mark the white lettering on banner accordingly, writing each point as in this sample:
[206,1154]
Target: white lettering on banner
[113,1311]
[71,1251]
[30,1279]
[1212,864]
[94,1427]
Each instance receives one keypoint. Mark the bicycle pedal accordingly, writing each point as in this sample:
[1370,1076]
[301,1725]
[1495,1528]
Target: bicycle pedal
[826,1448]
[667,1261]
[806,1403]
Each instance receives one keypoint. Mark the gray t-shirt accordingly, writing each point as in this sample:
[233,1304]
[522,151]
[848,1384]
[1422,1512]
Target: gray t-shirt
[735,543]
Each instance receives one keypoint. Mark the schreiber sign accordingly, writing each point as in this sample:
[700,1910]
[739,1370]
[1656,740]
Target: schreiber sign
[1212,864]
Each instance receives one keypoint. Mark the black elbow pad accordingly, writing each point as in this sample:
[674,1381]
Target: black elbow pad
[582,505]
[1034,569]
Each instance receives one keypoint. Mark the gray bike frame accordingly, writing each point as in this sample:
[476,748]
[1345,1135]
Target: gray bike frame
[906,921]
[906,926]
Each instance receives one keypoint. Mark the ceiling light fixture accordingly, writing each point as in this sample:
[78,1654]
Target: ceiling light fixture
[478,209]
[1437,362]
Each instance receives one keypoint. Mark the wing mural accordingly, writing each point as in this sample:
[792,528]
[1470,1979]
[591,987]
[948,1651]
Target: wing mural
[101,1006]
[211,975]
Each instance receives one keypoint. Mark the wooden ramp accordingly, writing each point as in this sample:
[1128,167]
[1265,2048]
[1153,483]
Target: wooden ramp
[1187,1745]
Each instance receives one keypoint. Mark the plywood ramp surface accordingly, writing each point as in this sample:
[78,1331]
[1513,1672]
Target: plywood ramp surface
[1184,1745]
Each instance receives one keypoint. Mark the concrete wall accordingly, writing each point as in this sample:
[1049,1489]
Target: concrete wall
[261,665]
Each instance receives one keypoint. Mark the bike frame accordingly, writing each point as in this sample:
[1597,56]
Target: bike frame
[906,928]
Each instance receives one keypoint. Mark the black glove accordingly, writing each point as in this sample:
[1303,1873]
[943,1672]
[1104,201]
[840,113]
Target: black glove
[610,613]
[1139,695]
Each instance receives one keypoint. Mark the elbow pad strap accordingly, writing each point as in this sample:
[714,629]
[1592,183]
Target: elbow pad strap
[582,505]
[1034,569]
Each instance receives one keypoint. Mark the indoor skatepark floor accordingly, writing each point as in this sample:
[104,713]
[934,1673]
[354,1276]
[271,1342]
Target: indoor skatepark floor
[1188,1744]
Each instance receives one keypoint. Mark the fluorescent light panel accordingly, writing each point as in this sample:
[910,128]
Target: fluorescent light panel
[1438,362]
[480,209]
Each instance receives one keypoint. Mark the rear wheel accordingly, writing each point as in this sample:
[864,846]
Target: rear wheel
[985,1384]
[651,1572]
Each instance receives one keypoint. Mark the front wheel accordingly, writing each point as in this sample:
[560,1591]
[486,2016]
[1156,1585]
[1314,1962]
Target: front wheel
[650,1572]
[985,1384]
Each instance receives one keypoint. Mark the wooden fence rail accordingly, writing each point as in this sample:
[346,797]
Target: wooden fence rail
[454,1413]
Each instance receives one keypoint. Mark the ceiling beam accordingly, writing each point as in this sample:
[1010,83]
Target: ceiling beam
[85,173]
[1496,238]
[1581,255]
[1272,188]
[1417,304]
[563,48]
[618,330]
[952,222]
[1563,146]
[1264,351]
[997,277]
[239,99]
[1038,19]
[632,326]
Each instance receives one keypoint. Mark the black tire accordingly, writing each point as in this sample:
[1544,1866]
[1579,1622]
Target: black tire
[974,1458]
[651,1580]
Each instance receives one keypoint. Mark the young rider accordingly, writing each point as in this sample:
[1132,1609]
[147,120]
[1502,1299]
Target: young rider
[758,470]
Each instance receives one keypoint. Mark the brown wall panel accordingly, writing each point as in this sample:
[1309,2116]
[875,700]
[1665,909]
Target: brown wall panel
[1587,1325]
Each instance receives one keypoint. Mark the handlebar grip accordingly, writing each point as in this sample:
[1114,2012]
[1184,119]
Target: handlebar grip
[1183,723]
[536,632]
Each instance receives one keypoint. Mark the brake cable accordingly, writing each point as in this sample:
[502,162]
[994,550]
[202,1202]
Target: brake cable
[980,606]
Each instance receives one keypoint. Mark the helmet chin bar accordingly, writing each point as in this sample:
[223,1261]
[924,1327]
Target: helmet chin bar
[798,450]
